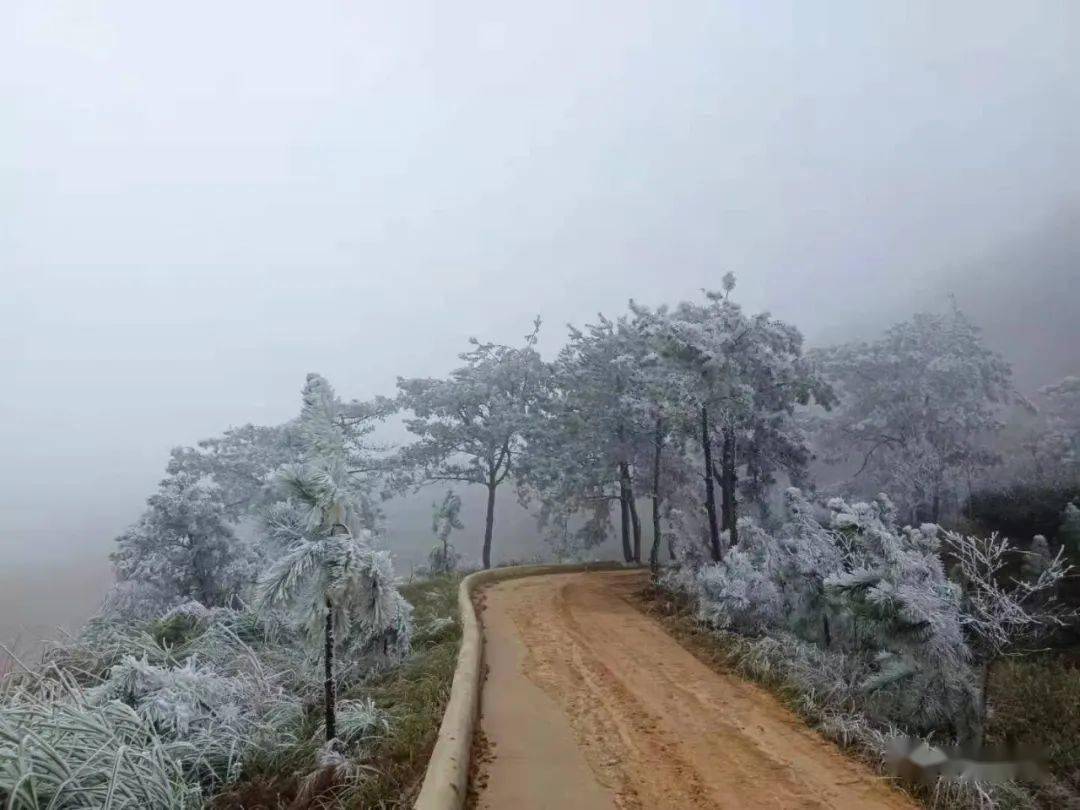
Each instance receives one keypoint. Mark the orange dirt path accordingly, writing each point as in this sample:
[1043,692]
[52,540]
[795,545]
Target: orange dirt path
[589,704]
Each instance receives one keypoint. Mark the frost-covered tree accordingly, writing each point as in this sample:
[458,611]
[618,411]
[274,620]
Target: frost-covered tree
[1060,437]
[586,435]
[743,377]
[194,541]
[564,473]
[916,409]
[470,426]
[327,567]
[664,407]
[445,518]
[182,548]
[239,465]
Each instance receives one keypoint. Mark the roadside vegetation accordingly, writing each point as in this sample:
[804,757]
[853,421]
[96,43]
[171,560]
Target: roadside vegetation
[405,707]
[884,530]
[1034,699]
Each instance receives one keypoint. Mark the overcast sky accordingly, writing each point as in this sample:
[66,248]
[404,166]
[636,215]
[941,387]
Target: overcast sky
[202,201]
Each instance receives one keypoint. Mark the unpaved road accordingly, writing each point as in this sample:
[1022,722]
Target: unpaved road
[589,704]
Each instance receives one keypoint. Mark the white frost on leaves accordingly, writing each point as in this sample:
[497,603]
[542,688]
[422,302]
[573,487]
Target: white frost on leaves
[859,587]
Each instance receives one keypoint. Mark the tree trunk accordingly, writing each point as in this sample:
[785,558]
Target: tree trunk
[635,524]
[328,662]
[728,481]
[203,578]
[489,522]
[624,514]
[980,732]
[658,443]
[710,494]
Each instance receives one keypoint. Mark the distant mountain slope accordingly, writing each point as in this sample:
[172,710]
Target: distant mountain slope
[1024,293]
[1027,299]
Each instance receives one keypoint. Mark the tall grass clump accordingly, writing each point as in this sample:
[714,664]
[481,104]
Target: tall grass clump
[60,749]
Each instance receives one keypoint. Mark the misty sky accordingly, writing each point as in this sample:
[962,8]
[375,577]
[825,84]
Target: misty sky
[201,202]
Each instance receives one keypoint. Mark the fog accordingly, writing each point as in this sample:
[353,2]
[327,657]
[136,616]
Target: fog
[202,202]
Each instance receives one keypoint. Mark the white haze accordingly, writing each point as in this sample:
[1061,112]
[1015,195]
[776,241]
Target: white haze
[201,202]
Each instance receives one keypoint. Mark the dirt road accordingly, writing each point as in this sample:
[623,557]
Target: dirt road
[589,704]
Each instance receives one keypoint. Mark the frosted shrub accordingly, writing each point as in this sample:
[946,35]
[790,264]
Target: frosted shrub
[226,717]
[855,585]
[742,592]
[892,598]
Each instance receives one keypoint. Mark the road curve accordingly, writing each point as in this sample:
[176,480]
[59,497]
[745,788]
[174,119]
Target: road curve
[588,703]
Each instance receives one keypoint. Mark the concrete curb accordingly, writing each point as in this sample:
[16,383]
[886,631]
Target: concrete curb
[446,781]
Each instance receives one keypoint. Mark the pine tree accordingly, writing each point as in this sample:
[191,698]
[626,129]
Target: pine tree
[742,377]
[443,558]
[327,567]
[183,548]
[916,409]
[470,427]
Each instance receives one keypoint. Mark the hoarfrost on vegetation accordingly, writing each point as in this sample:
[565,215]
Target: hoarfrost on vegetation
[445,518]
[904,640]
[263,541]
[163,698]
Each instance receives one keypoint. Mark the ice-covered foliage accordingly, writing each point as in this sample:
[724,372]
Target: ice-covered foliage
[916,409]
[182,548]
[176,706]
[445,518]
[194,541]
[239,464]
[326,566]
[470,426]
[858,586]
[999,613]
[182,682]
[347,578]
[1061,436]
[738,379]
[227,717]
[586,435]
[67,752]
[1038,558]
[361,720]
[906,641]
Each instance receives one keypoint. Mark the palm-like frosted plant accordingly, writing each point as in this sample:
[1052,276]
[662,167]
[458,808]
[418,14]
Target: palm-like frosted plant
[338,583]
[335,578]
